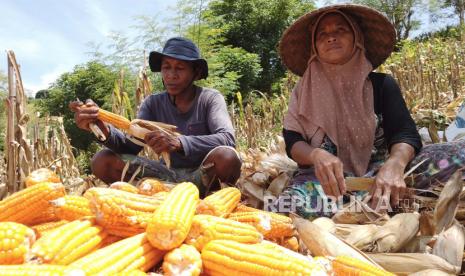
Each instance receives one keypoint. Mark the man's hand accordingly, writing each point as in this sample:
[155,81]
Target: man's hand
[160,141]
[329,171]
[389,185]
[85,114]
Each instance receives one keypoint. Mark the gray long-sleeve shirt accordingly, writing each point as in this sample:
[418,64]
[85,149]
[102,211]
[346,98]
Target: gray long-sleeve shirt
[205,126]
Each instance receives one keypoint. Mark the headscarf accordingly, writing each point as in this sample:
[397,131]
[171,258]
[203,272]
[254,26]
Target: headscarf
[337,101]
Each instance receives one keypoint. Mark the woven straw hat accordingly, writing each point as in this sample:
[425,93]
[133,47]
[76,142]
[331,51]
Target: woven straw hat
[379,36]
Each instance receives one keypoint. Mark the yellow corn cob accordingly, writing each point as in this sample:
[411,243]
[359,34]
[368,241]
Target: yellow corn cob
[206,228]
[345,265]
[15,242]
[47,215]
[26,205]
[114,119]
[124,186]
[271,225]
[44,228]
[41,175]
[122,256]
[244,208]
[71,207]
[291,243]
[170,224]
[109,239]
[184,260]
[33,270]
[67,243]
[225,257]
[135,272]
[123,230]
[220,203]
[150,186]
[120,208]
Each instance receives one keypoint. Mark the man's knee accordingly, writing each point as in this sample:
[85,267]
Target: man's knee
[107,166]
[227,164]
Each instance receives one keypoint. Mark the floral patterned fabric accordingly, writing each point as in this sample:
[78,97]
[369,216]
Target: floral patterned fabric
[442,160]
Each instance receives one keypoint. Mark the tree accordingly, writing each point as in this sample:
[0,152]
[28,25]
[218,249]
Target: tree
[89,81]
[42,94]
[399,12]
[256,26]
[459,8]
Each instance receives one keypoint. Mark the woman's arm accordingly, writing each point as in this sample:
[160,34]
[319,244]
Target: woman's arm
[328,168]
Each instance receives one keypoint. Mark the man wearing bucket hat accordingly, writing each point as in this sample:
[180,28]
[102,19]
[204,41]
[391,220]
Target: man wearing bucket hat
[343,119]
[203,154]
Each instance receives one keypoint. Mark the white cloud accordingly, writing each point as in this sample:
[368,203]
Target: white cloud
[46,80]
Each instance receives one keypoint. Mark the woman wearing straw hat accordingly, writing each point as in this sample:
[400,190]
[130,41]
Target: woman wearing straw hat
[204,152]
[343,119]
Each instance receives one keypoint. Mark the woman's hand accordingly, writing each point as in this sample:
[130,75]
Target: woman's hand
[160,141]
[389,185]
[389,182]
[329,171]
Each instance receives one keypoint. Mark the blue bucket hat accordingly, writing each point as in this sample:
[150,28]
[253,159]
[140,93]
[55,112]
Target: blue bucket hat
[182,49]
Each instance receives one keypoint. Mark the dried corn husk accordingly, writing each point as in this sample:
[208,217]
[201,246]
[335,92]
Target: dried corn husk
[430,272]
[322,243]
[359,212]
[417,245]
[406,263]
[326,224]
[278,184]
[344,230]
[426,223]
[446,206]
[362,236]
[449,244]
[395,233]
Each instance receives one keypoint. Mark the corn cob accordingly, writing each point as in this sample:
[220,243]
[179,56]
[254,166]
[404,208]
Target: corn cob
[122,256]
[135,272]
[47,215]
[184,260]
[41,175]
[288,242]
[114,119]
[220,203]
[150,186]
[109,239]
[15,242]
[44,228]
[71,207]
[345,265]
[26,205]
[206,228]
[67,243]
[124,186]
[123,209]
[33,270]
[244,208]
[269,224]
[170,224]
[124,230]
[224,257]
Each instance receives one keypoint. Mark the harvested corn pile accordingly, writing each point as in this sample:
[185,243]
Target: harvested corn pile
[122,231]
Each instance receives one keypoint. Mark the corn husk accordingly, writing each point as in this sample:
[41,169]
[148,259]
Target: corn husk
[322,243]
[363,236]
[358,212]
[449,244]
[326,224]
[407,263]
[418,244]
[446,206]
[426,223]
[395,233]
[344,230]
[430,272]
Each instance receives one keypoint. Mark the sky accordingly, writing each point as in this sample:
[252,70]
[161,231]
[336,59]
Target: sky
[49,37]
